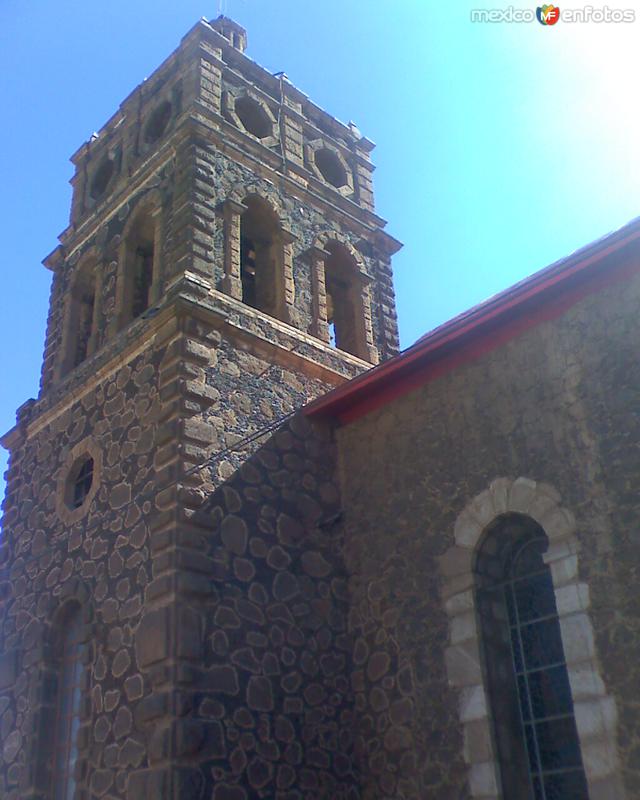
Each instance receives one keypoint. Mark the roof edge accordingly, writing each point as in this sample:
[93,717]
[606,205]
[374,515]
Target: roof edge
[373,388]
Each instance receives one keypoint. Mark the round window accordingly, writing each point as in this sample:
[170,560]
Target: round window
[101,178]
[330,167]
[158,122]
[253,117]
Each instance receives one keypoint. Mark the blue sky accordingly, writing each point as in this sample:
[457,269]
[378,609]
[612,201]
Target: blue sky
[500,147]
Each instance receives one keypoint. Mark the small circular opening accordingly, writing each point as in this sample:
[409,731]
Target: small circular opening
[253,117]
[101,178]
[331,167]
[158,122]
[79,482]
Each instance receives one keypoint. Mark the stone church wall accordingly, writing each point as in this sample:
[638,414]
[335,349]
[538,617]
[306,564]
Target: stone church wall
[151,418]
[272,710]
[557,405]
[102,559]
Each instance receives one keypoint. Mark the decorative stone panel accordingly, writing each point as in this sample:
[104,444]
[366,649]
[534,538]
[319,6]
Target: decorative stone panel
[312,148]
[231,98]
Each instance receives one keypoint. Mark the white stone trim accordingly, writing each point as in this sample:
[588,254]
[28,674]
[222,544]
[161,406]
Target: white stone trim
[595,711]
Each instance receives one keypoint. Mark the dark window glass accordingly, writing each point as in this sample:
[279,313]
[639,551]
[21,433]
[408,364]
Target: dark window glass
[82,483]
[561,785]
[541,760]
[541,643]
[65,749]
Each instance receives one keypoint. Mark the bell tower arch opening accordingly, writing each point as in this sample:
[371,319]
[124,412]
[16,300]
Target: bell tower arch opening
[261,257]
[345,307]
[139,265]
[81,317]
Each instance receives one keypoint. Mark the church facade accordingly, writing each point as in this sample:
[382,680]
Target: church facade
[248,549]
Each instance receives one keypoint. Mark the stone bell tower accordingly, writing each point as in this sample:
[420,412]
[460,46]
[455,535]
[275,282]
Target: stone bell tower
[223,265]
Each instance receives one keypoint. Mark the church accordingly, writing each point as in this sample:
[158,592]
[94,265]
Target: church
[249,549]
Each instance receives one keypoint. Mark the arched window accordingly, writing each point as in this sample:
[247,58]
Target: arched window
[81,317]
[528,682]
[345,313]
[69,658]
[261,258]
[139,268]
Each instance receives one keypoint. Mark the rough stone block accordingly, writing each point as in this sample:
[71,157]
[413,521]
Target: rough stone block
[8,668]
[152,638]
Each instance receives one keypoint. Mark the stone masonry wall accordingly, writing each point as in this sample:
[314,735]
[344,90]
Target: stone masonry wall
[102,559]
[558,405]
[268,710]
[168,401]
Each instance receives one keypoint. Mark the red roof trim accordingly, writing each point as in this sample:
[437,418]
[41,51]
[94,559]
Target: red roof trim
[541,297]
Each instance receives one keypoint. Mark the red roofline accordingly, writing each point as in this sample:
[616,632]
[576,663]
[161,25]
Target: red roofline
[543,296]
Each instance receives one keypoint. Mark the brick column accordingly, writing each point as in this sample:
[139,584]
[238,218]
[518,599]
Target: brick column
[289,287]
[231,283]
[320,327]
[371,350]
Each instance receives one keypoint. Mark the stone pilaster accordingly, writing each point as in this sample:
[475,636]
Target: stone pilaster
[169,641]
[289,289]
[385,300]
[371,350]
[292,124]
[231,282]
[210,80]
[320,327]
[53,340]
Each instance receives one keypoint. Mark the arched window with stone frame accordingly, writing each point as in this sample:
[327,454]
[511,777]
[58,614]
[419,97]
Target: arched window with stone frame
[81,318]
[262,257]
[341,303]
[515,600]
[68,659]
[527,679]
[139,263]
[344,301]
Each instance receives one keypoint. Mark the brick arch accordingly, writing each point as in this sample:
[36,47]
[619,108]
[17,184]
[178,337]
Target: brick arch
[355,294]
[276,286]
[73,591]
[257,189]
[91,255]
[595,710]
[82,267]
[149,201]
[323,239]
